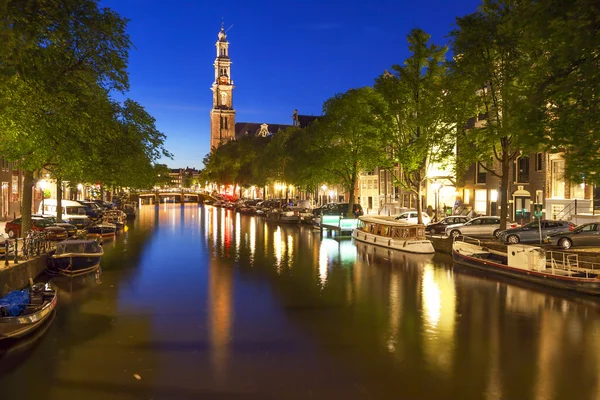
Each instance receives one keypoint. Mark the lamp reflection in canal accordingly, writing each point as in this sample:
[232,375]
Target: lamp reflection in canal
[438,295]
[278,245]
[395,299]
[252,239]
[238,235]
[332,250]
[220,303]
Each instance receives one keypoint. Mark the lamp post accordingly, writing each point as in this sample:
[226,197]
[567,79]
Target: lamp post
[436,186]
[42,185]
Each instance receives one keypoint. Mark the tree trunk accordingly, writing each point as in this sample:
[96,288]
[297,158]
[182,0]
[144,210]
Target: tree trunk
[350,213]
[27,202]
[419,199]
[504,190]
[59,195]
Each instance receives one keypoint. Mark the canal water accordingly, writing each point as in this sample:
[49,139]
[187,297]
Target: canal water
[203,303]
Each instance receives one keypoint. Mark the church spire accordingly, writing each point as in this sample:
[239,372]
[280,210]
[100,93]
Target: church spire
[222,114]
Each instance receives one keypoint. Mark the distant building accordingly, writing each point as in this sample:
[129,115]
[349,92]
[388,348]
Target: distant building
[11,190]
[184,177]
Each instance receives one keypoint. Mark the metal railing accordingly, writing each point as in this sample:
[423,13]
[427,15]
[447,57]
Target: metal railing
[571,264]
[34,244]
[567,210]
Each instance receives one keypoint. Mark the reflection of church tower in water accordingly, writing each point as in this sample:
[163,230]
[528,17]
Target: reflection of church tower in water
[222,115]
[220,300]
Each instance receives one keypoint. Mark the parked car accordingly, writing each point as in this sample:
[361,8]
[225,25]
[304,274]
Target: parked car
[412,217]
[440,226]
[479,227]
[72,211]
[70,228]
[53,232]
[530,233]
[583,235]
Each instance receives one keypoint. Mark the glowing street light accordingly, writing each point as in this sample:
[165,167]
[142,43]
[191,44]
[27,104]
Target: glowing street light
[436,186]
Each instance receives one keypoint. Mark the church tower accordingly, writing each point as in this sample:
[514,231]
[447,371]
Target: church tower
[222,115]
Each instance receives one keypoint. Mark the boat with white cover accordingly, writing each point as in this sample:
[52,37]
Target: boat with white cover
[387,232]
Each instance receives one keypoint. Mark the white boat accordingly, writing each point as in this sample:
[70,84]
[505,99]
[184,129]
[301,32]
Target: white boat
[386,232]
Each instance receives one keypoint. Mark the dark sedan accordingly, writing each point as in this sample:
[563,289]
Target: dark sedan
[530,233]
[583,235]
[70,228]
[440,226]
[53,232]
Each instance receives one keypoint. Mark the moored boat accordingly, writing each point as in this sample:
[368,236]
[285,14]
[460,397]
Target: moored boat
[284,216]
[386,232]
[23,311]
[74,257]
[531,264]
[104,230]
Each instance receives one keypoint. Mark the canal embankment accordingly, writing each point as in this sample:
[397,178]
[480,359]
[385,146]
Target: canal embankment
[14,276]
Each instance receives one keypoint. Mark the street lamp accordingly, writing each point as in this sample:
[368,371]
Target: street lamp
[436,186]
[42,185]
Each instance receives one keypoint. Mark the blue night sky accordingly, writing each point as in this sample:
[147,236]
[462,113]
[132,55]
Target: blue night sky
[286,55]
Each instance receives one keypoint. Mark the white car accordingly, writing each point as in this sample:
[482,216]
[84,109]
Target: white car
[488,226]
[411,217]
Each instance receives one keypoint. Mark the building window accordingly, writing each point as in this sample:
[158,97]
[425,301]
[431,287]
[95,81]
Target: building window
[480,174]
[539,158]
[558,179]
[577,191]
[481,201]
[223,122]
[382,182]
[467,196]
[521,171]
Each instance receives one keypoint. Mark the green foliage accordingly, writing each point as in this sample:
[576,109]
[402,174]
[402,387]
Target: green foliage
[490,59]
[418,123]
[348,139]
[58,67]
[561,82]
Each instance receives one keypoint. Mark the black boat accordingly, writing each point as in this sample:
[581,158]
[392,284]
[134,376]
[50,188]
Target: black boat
[23,311]
[75,257]
[104,229]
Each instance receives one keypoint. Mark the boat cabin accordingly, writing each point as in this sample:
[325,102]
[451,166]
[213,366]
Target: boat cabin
[391,228]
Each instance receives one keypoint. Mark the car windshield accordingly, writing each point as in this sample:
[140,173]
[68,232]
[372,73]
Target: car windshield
[76,210]
[42,223]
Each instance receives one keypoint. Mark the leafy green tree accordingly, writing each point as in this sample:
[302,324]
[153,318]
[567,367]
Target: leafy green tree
[561,81]
[348,139]
[418,125]
[61,59]
[488,54]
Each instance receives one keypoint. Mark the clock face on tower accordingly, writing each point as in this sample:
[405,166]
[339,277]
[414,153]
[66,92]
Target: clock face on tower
[223,80]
